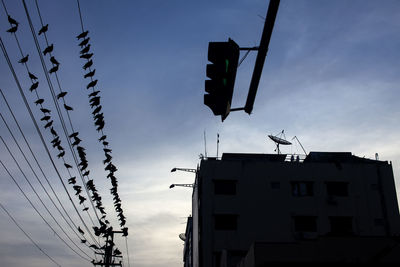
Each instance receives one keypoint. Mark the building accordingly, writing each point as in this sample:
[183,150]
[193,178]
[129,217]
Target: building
[253,209]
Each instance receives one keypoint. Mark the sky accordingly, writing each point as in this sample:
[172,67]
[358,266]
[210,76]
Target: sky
[330,78]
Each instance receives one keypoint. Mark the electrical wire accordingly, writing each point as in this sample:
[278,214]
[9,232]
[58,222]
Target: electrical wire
[30,238]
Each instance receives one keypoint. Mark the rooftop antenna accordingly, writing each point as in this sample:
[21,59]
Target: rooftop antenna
[279,140]
[295,137]
[217,143]
[205,144]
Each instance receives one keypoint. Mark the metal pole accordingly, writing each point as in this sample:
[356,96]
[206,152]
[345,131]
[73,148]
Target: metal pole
[262,53]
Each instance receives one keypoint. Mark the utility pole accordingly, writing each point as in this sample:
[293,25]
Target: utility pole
[109,254]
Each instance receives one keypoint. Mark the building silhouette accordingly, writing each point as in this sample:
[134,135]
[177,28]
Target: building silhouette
[258,209]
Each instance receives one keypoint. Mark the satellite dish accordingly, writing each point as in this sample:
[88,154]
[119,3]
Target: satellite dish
[279,140]
[182,236]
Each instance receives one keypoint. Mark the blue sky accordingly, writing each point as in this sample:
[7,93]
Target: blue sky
[330,78]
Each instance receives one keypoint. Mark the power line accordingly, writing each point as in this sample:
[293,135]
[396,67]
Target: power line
[33,242]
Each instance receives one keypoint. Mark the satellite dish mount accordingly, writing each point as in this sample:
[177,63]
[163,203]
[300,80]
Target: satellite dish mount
[278,140]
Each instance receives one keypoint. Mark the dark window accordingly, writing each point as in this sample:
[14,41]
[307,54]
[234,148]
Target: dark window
[302,189]
[275,185]
[305,223]
[225,221]
[341,225]
[339,189]
[225,187]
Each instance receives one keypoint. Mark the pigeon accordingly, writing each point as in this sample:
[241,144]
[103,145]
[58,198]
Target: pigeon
[53,69]
[54,61]
[75,134]
[60,155]
[48,49]
[105,143]
[95,101]
[85,209]
[117,252]
[45,118]
[94,246]
[82,35]
[31,76]
[67,166]
[45,110]
[86,56]
[48,124]
[91,84]
[76,142]
[88,64]
[13,29]
[86,173]
[81,199]
[43,29]
[68,107]
[80,231]
[72,180]
[55,140]
[94,93]
[53,132]
[97,110]
[34,86]
[24,59]
[103,137]
[83,241]
[39,101]
[12,21]
[90,74]
[62,94]
[85,50]
[84,42]
[107,150]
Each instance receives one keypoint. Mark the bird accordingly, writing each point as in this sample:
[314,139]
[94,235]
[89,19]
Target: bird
[80,231]
[86,56]
[68,107]
[105,143]
[84,42]
[45,118]
[34,86]
[107,150]
[48,49]
[48,124]
[55,140]
[85,209]
[83,241]
[76,142]
[61,154]
[53,132]
[88,64]
[45,110]
[24,59]
[43,29]
[85,50]
[103,137]
[31,76]
[89,74]
[53,69]
[75,134]
[82,35]
[97,110]
[12,21]
[62,94]
[94,93]
[72,180]
[13,29]
[94,246]
[86,173]
[77,189]
[67,166]
[54,61]
[95,101]
[117,252]
[81,199]
[91,84]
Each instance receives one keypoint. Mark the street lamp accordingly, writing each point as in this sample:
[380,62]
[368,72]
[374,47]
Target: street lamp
[184,169]
[183,185]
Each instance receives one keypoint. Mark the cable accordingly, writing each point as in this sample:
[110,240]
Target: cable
[33,242]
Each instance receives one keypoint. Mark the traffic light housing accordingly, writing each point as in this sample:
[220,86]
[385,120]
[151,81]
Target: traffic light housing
[224,57]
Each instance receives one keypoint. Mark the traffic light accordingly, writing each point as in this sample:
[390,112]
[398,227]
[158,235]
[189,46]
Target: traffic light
[222,74]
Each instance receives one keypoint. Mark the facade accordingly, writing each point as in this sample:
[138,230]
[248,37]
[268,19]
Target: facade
[254,209]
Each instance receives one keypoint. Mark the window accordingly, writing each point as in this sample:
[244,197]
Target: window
[341,225]
[305,223]
[225,187]
[225,221]
[339,189]
[275,185]
[302,189]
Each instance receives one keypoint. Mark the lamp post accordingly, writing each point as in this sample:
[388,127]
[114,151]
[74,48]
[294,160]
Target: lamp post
[183,185]
[184,169]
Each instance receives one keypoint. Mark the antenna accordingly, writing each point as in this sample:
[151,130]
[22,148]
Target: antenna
[217,143]
[205,144]
[279,140]
[295,137]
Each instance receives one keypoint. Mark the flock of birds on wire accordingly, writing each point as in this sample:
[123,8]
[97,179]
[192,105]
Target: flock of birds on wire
[104,229]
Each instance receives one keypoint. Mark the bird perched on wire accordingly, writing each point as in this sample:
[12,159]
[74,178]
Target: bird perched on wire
[75,134]
[45,118]
[86,56]
[81,199]
[32,76]
[89,74]
[12,21]
[53,69]
[88,64]
[39,101]
[61,154]
[85,209]
[53,132]
[81,231]
[92,84]
[84,42]
[45,110]
[76,142]
[34,86]
[13,29]
[67,166]
[85,50]
[48,49]
[94,93]
[43,29]
[97,110]
[72,180]
[54,61]
[68,107]
[82,35]
[48,124]
[62,94]
[24,59]
[95,101]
